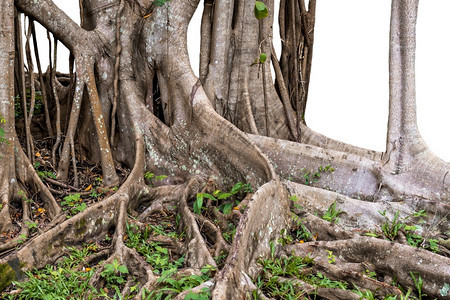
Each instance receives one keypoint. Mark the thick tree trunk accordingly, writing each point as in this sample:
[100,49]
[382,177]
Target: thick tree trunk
[7,37]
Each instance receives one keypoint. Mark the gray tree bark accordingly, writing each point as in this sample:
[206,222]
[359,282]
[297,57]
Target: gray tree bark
[137,104]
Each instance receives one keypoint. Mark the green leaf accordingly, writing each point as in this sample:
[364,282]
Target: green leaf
[224,195]
[410,228]
[227,208]
[261,10]
[198,203]
[123,269]
[209,196]
[109,269]
[262,57]
[237,187]
[160,177]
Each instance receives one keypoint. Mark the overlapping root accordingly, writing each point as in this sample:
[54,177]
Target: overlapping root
[340,250]
[279,221]
[365,237]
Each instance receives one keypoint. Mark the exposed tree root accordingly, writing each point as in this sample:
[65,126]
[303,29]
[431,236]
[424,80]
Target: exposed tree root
[197,254]
[383,255]
[257,229]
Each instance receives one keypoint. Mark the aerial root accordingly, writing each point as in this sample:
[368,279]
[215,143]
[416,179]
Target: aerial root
[27,174]
[24,233]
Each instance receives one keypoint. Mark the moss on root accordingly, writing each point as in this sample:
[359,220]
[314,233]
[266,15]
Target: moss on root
[80,227]
[7,275]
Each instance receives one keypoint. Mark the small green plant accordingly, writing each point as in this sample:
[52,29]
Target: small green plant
[272,249]
[331,257]
[279,290]
[299,231]
[418,282]
[372,233]
[152,178]
[153,252]
[22,238]
[229,234]
[43,173]
[37,104]
[432,245]
[23,195]
[220,260]
[228,199]
[247,188]
[164,229]
[365,294]
[311,177]
[294,199]
[114,273]
[331,215]
[420,214]
[168,285]
[285,238]
[370,274]
[198,203]
[321,280]
[290,267]
[31,225]
[326,169]
[2,131]
[203,295]
[287,267]
[260,10]
[98,189]
[391,228]
[73,204]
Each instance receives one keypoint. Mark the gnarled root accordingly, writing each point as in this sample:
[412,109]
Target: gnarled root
[266,215]
[384,256]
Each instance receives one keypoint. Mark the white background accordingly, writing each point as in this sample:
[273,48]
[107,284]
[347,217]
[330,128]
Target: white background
[348,97]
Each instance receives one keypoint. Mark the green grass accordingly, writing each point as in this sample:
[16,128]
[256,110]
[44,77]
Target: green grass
[65,280]
[156,255]
[168,286]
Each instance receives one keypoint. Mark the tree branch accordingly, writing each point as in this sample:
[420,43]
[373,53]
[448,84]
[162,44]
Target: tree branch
[56,21]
